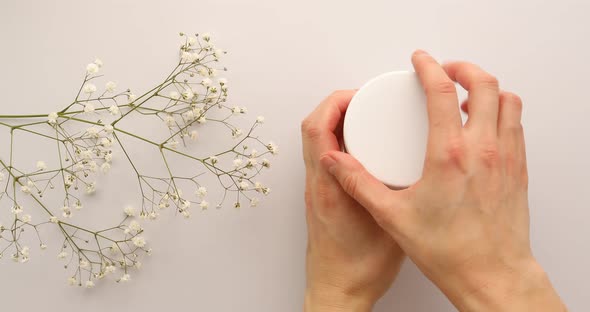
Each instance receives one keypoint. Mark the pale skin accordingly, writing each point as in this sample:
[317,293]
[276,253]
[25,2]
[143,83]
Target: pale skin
[465,223]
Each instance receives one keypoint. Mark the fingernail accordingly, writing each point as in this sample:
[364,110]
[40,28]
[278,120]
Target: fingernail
[328,163]
[419,52]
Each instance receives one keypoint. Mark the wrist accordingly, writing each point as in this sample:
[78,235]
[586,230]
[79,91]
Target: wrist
[521,286]
[330,299]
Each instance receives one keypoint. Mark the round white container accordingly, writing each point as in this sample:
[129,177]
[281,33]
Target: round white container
[386,128]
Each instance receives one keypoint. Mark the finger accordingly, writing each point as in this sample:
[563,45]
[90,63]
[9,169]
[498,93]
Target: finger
[318,129]
[511,137]
[371,193]
[483,95]
[441,95]
[510,111]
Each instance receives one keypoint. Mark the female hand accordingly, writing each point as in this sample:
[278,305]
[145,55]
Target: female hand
[465,224]
[351,261]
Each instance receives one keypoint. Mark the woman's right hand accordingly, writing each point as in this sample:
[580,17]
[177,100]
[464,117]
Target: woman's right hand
[465,224]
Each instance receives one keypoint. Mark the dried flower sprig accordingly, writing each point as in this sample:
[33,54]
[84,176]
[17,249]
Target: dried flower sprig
[87,133]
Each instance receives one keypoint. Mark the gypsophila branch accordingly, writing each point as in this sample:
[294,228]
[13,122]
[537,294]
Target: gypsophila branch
[86,135]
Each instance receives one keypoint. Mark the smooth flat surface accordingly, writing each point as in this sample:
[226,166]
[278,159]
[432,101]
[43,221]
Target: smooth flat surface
[386,128]
[285,57]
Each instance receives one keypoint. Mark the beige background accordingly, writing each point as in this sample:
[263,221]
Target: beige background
[285,57]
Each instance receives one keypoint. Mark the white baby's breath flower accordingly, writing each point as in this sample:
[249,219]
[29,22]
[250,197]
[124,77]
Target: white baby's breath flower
[66,212]
[204,204]
[84,263]
[169,120]
[194,135]
[43,246]
[222,81]
[131,97]
[53,219]
[16,210]
[110,269]
[89,88]
[125,278]
[188,94]
[25,251]
[115,248]
[106,142]
[188,115]
[25,189]
[218,53]
[237,162]
[191,40]
[236,133]
[174,95]
[72,281]
[202,120]
[236,110]
[109,129]
[252,162]
[203,71]
[92,132]
[206,82]
[139,241]
[105,167]
[78,205]
[52,118]
[129,211]
[41,165]
[254,202]
[90,188]
[62,255]
[26,218]
[153,215]
[244,185]
[272,148]
[114,110]
[86,155]
[108,157]
[110,86]
[93,166]
[265,163]
[185,56]
[201,191]
[206,36]
[135,226]
[186,214]
[260,119]
[89,108]
[92,68]
[98,62]
[89,284]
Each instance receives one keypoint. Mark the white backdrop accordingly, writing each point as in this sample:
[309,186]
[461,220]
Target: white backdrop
[285,56]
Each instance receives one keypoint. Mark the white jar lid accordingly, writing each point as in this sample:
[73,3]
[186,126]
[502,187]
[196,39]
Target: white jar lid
[386,128]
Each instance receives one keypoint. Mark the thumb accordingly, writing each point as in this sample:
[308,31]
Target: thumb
[371,193]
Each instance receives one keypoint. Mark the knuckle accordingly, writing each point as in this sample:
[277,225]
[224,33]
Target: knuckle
[309,129]
[442,87]
[512,98]
[350,184]
[455,153]
[489,155]
[488,81]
